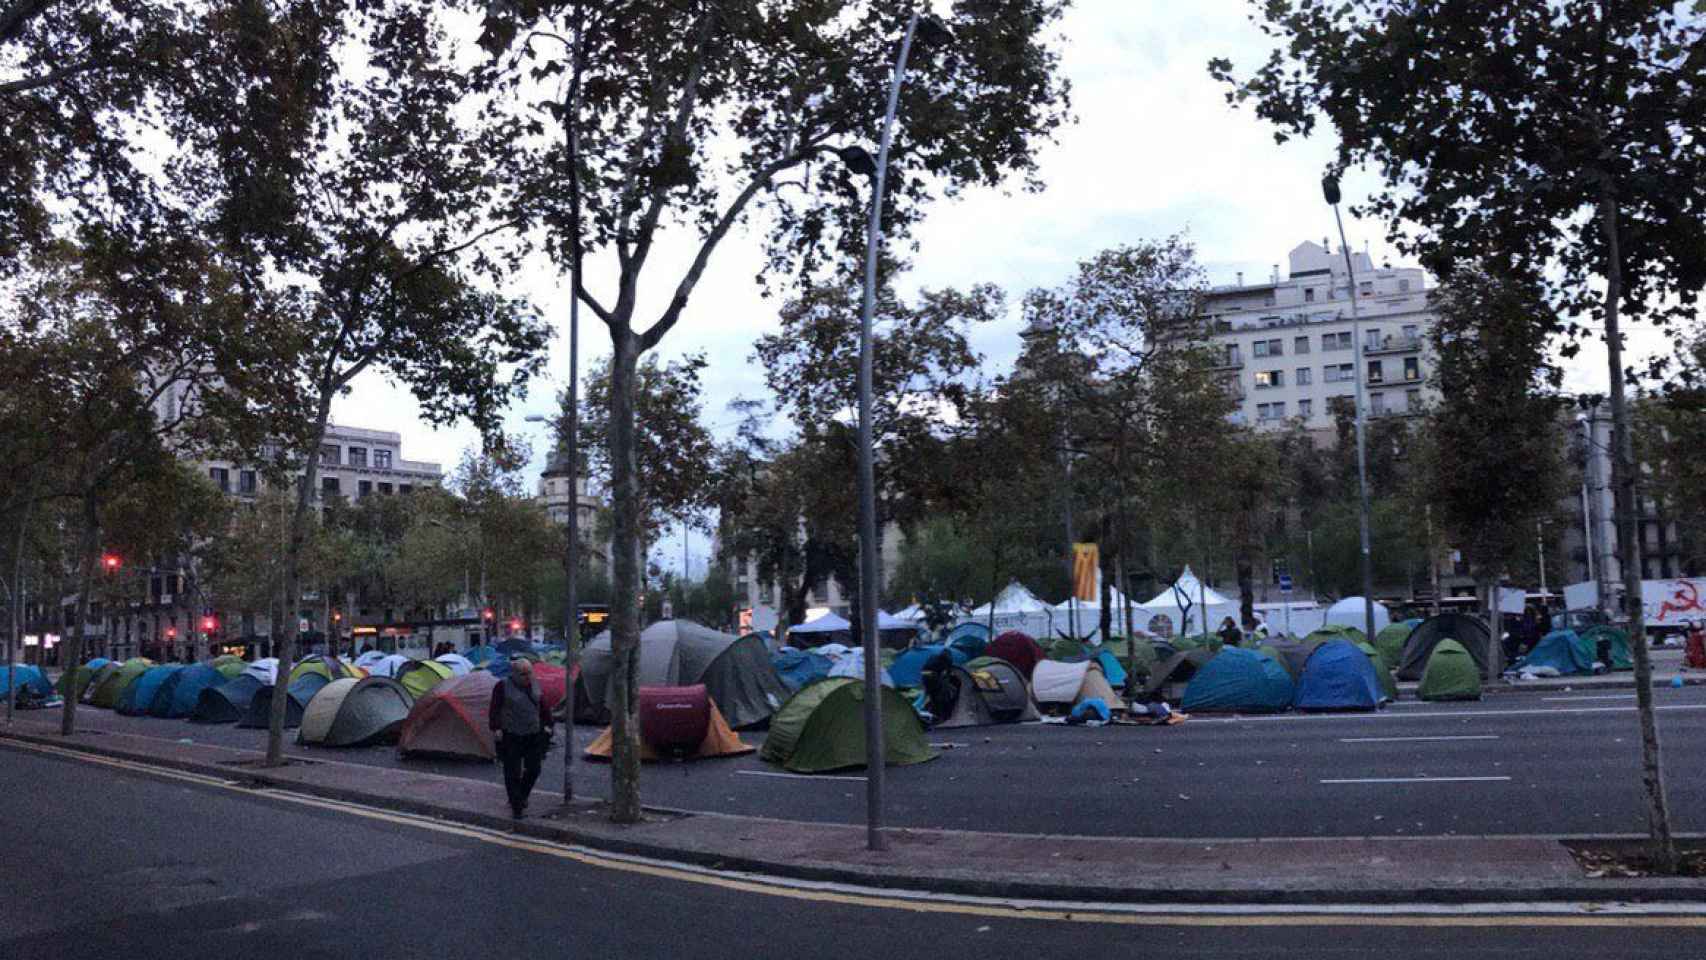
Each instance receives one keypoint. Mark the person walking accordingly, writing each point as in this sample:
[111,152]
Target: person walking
[523,727]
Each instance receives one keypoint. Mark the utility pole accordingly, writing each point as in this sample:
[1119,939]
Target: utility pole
[1433,557]
[1330,189]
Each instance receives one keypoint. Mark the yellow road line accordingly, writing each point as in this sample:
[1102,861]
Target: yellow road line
[972,907]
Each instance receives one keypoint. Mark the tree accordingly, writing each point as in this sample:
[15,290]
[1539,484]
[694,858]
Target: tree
[1551,143]
[1670,432]
[373,223]
[694,115]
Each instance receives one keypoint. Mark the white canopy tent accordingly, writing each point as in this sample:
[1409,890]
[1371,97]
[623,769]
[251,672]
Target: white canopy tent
[886,622]
[828,623]
[1016,608]
[1089,614]
[1353,612]
[1201,610]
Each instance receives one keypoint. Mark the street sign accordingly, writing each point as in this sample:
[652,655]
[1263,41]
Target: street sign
[1285,583]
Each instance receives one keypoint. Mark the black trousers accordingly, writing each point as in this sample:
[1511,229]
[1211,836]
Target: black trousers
[522,757]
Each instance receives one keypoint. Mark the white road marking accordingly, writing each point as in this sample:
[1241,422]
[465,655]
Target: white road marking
[1421,715]
[1478,736]
[1421,780]
[1603,696]
[793,776]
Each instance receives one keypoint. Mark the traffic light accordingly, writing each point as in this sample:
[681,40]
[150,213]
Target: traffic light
[515,624]
[209,624]
[489,614]
[111,562]
[171,633]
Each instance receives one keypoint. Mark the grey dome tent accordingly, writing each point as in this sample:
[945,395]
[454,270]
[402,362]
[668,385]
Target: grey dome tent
[737,671]
[1469,631]
[227,702]
[1177,668]
[355,713]
[980,693]
[299,693]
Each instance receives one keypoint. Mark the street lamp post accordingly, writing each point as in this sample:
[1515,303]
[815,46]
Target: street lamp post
[928,30]
[1330,190]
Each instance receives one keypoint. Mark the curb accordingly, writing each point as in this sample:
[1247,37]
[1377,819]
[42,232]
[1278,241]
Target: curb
[1647,890]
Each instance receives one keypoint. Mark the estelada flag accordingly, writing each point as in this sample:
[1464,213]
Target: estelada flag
[1086,557]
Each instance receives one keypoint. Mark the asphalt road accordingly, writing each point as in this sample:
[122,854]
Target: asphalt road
[1527,763]
[106,863]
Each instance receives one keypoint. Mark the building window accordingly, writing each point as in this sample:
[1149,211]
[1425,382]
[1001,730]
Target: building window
[1305,376]
[1412,368]
[363,488]
[1269,348]
[1410,332]
[1403,286]
[1337,372]
[405,488]
[1371,339]
[358,456]
[385,488]
[221,478]
[1232,359]
[1300,345]
[1375,375]
[1270,411]
[382,459]
[1366,288]
[1413,399]
[329,487]
[1306,408]
[1269,378]
[1377,403]
[1335,341]
[1308,294]
[329,454]
[246,481]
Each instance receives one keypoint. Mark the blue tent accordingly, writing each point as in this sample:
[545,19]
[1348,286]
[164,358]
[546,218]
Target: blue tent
[1111,668]
[969,638]
[137,697]
[1564,650]
[1240,680]
[29,678]
[259,714]
[908,668]
[177,697]
[97,663]
[226,702]
[480,653]
[797,668]
[1338,676]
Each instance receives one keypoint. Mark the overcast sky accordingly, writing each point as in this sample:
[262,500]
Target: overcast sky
[1155,150]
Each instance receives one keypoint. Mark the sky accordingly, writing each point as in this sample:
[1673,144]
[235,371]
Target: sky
[1155,150]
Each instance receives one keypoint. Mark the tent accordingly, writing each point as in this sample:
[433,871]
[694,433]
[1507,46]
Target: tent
[1563,650]
[265,670]
[451,720]
[852,664]
[1111,667]
[1470,632]
[966,695]
[1068,650]
[384,665]
[822,628]
[1016,648]
[229,666]
[736,671]
[479,654]
[1382,670]
[1338,676]
[180,693]
[1336,631]
[1069,684]
[719,741]
[355,713]
[72,683]
[908,668]
[1451,674]
[329,667]
[822,727]
[1390,640]
[796,668]
[553,683]
[1016,608]
[28,678]
[227,702]
[1616,655]
[1167,603]
[896,632]
[297,697]
[1178,668]
[1353,612]
[1240,681]
[458,664]
[136,698]
[113,686]
[419,676]
[371,657]
[108,669]
[970,638]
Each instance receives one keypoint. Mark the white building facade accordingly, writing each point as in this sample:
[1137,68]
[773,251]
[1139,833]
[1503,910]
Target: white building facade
[1287,345]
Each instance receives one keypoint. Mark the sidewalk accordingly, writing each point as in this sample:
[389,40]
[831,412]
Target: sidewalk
[1667,669]
[1290,871]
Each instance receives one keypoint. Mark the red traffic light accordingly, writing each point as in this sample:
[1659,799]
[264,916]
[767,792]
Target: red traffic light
[489,614]
[111,561]
[171,633]
[209,624]
[515,624]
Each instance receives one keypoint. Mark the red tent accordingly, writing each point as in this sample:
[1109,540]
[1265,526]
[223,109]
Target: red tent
[1018,649]
[452,719]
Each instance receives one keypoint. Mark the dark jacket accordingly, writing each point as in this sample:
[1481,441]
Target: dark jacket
[494,715]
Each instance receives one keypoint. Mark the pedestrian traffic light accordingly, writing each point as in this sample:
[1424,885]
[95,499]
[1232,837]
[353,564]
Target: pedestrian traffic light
[110,562]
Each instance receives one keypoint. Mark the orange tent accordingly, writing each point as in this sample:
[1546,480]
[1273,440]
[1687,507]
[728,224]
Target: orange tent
[720,741]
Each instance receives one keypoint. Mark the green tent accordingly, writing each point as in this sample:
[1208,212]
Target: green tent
[230,667]
[1390,640]
[1382,670]
[822,727]
[1202,641]
[1617,646]
[1451,674]
[74,681]
[1335,631]
[110,688]
[1066,649]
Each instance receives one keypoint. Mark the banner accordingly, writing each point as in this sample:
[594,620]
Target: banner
[1086,559]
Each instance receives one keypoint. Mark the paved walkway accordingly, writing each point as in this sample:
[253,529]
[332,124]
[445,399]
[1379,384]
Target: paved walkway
[1368,870]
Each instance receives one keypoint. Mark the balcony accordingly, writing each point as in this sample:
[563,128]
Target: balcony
[1393,345]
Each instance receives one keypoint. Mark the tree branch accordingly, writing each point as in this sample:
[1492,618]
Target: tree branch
[49,79]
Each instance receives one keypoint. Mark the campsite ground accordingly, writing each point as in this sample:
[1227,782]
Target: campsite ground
[1535,763]
[147,867]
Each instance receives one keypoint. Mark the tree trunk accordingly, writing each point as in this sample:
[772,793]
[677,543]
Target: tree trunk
[625,584]
[1623,476]
[1488,591]
[1247,588]
[1106,559]
[16,637]
[73,654]
[291,602]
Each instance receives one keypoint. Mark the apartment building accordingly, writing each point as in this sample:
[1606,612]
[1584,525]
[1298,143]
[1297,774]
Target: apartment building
[1287,347]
